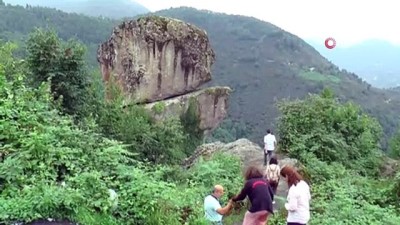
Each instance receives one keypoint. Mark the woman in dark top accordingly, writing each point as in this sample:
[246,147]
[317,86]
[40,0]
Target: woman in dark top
[260,195]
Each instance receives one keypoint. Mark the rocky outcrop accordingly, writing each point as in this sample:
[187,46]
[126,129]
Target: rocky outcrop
[162,62]
[209,106]
[248,152]
[390,167]
[154,58]
[243,148]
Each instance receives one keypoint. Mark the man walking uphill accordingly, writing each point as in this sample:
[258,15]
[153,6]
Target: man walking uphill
[269,146]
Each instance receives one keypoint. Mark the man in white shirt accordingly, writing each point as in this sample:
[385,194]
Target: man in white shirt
[269,146]
[212,208]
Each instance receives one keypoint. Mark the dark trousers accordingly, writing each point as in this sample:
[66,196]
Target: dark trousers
[267,156]
[274,186]
[295,224]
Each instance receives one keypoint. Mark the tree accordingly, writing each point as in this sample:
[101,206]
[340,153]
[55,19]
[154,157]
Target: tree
[394,145]
[63,65]
[331,131]
[39,149]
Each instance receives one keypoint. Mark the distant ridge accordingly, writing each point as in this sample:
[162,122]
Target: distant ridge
[115,9]
[375,61]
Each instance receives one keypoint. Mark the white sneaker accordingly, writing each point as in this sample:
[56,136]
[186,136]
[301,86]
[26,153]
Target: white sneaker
[273,202]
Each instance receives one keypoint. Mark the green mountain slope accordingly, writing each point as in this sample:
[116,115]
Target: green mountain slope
[260,61]
[16,22]
[264,63]
[108,8]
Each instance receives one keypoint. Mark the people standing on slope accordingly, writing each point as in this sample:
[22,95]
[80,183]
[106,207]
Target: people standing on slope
[298,199]
[269,146]
[260,194]
[272,174]
[212,207]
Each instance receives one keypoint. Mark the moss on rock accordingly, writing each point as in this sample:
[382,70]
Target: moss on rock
[191,124]
[159,107]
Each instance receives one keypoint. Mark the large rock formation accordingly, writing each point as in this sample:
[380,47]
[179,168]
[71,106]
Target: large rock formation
[154,58]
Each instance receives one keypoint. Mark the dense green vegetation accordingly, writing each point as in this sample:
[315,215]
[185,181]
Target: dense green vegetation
[338,146]
[394,145]
[56,165]
[16,22]
[315,76]
[63,66]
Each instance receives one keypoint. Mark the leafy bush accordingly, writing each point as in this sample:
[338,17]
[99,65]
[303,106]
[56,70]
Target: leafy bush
[352,200]
[40,150]
[341,196]
[338,146]
[152,198]
[51,167]
[331,131]
[394,145]
[156,141]
[63,65]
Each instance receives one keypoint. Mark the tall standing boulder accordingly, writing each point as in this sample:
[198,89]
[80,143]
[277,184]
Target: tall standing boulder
[154,58]
[162,62]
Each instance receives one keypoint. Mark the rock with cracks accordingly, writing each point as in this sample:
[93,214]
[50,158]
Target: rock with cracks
[162,62]
[154,58]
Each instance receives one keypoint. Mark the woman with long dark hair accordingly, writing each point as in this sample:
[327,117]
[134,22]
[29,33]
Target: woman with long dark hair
[298,199]
[260,195]
[272,173]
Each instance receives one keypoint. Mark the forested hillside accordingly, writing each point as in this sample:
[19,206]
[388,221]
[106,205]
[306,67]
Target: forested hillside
[16,22]
[263,63]
[115,9]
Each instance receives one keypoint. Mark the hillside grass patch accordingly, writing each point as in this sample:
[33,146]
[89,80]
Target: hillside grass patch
[319,77]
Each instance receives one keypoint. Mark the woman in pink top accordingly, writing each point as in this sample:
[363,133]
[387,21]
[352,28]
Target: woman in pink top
[298,199]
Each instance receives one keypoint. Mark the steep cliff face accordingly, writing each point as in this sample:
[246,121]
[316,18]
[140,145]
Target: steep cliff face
[163,62]
[154,58]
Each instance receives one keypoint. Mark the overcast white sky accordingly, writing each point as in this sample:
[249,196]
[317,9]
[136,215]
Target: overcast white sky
[348,21]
